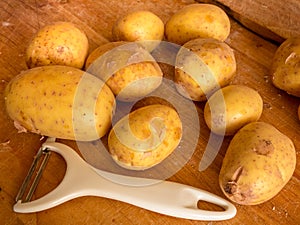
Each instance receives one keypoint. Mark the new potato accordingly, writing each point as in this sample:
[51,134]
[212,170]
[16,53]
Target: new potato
[61,43]
[232,107]
[128,69]
[143,26]
[197,21]
[145,137]
[60,101]
[258,163]
[203,65]
[286,66]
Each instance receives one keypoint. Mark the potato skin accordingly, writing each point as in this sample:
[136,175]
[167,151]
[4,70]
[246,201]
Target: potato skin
[61,43]
[197,21]
[101,50]
[143,26]
[134,146]
[259,162]
[242,105]
[286,66]
[214,66]
[129,70]
[60,101]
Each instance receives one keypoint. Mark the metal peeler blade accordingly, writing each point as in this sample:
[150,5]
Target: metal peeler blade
[34,174]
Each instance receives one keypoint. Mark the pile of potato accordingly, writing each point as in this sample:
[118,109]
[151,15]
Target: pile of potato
[69,94]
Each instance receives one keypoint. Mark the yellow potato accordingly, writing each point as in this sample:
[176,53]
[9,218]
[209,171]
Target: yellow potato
[142,26]
[231,108]
[60,101]
[286,66]
[102,49]
[128,69]
[145,137]
[61,43]
[203,65]
[197,21]
[259,162]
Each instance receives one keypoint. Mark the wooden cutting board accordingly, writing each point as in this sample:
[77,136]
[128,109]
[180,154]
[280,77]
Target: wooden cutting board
[274,20]
[21,19]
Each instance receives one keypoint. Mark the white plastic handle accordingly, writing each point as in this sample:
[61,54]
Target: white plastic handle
[169,198]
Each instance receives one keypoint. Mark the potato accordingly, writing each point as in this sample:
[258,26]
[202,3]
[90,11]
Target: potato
[197,21]
[286,66]
[60,101]
[232,107]
[145,137]
[128,69]
[203,65]
[61,43]
[101,50]
[259,162]
[142,26]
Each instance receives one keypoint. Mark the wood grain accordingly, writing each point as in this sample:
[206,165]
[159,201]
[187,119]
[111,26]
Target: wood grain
[21,19]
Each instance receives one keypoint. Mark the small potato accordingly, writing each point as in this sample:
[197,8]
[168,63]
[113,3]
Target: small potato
[286,66]
[197,21]
[101,50]
[259,162]
[203,66]
[232,107]
[128,69]
[145,137]
[61,43]
[60,101]
[142,26]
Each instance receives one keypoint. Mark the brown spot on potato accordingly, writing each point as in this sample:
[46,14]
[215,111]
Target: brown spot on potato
[264,147]
[231,186]
[60,49]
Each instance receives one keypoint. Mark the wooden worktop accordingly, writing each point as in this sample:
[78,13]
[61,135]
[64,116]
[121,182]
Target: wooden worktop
[21,19]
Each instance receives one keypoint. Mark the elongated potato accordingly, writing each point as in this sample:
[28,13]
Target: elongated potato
[259,162]
[60,101]
[145,137]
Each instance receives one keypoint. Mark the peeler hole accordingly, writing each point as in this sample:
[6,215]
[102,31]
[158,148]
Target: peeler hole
[52,175]
[204,205]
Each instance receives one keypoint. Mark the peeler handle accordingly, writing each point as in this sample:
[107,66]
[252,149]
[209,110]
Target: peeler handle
[173,199]
[169,198]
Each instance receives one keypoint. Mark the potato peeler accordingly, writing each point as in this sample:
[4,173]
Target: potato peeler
[82,179]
